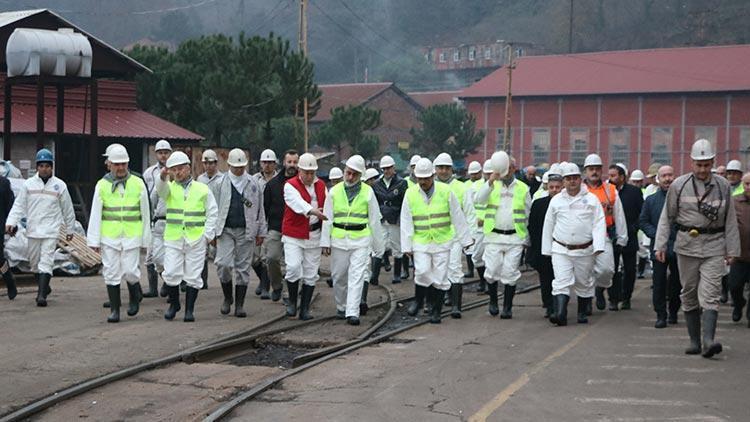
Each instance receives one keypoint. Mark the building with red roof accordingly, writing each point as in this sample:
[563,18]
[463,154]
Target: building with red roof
[635,107]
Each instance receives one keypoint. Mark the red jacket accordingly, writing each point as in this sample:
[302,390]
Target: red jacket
[298,225]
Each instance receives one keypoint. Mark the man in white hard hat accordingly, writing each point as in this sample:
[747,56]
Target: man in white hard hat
[542,191]
[473,183]
[240,227]
[478,248]
[191,216]
[637,179]
[352,228]
[335,176]
[390,190]
[155,254]
[604,266]
[444,171]
[734,176]
[45,202]
[412,180]
[267,167]
[304,196]
[260,267]
[119,227]
[721,171]
[699,205]
[507,203]
[431,219]
[212,177]
[574,233]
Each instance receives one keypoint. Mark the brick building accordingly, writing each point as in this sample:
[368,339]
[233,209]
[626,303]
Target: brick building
[634,107]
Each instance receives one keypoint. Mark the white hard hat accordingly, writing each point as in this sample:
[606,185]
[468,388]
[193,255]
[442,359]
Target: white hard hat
[177,158]
[637,175]
[117,154]
[545,177]
[414,159]
[623,167]
[268,155]
[443,159]
[702,150]
[424,168]
[163,145]
[109,149]
[487,167]
[356,163]
[734,165]
[307,161]
[371,173]
[554,169]
[335,173]
[475,167]
[387,161]
[500,163]
[237,158]
[209,155]
[570,169]
[592,160]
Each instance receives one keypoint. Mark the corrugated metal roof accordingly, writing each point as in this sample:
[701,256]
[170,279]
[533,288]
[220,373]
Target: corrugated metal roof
[113,123]
[431,98]
[111,94]
[667,70]
[341,95]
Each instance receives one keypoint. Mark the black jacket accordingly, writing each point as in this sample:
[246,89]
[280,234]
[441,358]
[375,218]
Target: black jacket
[273,200]
[649,220]
[390,198]
[632,202]
[6,199]
[537,213]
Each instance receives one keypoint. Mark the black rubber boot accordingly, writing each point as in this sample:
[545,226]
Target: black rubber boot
[457,291]
[561,307]
[437,305]
[448,299]
[43,289]
[661,321]
[183,287]
[736,311]
[164,291]
[174,302]
[405,267]
[265,286]
[292,289]
[641,267]
[397,262]
[226,306]
[419,295]
[492,291]
[239,301]
[135,296]
[113,292]
[276,295]
[724,290]
[469,267]
[204,275]
[601,302]
[508,293]
[352,320]
[363,308]
[258,268]
[693,322]
[153,281]
[710,346]
[482,282]
[387,261]
[589,308]
[190,296]
[10,284]
[582,317]
[552,311]
[377,263]
[304,309]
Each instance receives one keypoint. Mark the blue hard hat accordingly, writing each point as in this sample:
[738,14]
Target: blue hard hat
[44,155]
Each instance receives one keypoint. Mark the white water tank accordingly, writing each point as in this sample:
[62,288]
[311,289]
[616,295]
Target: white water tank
[32,52]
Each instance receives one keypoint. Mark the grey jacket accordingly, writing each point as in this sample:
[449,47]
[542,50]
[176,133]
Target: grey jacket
[255,217]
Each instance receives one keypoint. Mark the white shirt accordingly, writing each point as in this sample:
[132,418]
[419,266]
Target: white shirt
[574,220]
[94,236]
[262,179]
[504,214]
[294,200]
[150,176]
[347,243]
[46,206]
[457,219]
[213,182]
[212,212]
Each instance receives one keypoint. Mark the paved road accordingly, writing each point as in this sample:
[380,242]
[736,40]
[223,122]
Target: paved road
[616,368]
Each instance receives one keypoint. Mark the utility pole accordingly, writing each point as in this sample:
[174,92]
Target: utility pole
[570,29]
[303,49]
[506,128]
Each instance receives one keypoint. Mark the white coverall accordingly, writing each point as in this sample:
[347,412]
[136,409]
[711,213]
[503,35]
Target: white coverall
[574,220]
[456,260]
[477,252]
[502,252]
[350,258]
[155,254]
[46,206]
[183,259]
[214,183]
[120,256]
[431,259]
[302,256]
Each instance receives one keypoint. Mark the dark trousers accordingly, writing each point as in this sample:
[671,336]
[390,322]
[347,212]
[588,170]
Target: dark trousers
[623,281]
[546,275]
[739,275]
[666,287]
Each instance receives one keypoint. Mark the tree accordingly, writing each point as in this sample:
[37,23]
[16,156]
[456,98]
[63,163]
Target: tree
[286,133]
[447,128]
[348,126]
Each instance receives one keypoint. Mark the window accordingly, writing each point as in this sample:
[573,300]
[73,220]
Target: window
[579,145]
[661,145]
[499,140]
[619,141]
[745,146]
[706,132]
[472,53]
[488,54]
[540,141]
[442,57]
[457,55]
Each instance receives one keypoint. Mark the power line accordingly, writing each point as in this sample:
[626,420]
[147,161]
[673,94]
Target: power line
[374,31]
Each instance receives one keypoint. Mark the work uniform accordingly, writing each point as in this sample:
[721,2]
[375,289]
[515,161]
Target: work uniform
[623,283]
[155,254]
[541,263]
[465,197]
[477,249]
[241,220]
[6,203]
[274,207]
[390,195]
[353,229]
[119,224]
[259,263]
[213,183]
[739,273]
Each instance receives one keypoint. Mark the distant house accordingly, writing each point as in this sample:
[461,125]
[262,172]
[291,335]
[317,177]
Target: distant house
[431,98]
